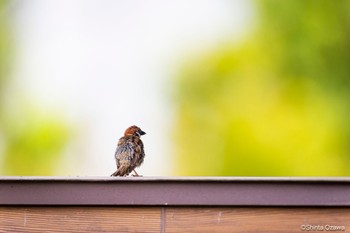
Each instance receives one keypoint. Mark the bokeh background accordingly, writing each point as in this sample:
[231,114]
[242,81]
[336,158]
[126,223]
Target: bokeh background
[222,87]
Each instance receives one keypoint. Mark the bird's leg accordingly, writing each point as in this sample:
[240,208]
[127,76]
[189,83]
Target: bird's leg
[135,173]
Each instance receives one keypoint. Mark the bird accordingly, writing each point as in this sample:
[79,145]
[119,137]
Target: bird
[130,152]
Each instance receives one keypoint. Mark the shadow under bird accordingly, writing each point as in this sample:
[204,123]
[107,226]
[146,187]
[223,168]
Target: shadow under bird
[130,153]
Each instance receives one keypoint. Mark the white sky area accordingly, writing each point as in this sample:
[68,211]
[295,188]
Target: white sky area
[105,65]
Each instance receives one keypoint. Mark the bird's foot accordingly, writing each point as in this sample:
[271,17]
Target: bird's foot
[136,175]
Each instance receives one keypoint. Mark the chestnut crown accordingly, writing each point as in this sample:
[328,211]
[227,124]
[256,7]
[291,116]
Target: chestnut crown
[134,130]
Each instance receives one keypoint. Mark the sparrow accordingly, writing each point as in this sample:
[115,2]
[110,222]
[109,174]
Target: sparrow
[129,153]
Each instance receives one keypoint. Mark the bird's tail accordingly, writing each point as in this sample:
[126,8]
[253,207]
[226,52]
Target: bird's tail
[122,171]
[115,173]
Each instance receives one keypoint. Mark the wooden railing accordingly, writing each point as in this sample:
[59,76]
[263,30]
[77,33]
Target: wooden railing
[178,204]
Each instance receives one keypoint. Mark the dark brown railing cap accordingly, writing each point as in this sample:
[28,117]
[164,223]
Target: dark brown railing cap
[176,191]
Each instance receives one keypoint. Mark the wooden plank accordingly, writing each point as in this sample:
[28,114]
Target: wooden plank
[174,219]
[254,220]
[211,191]
[79,219]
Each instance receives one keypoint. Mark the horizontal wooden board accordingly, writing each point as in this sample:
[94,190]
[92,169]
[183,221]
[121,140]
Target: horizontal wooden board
[254,220]
[176,191]
[173,219]
[79,219]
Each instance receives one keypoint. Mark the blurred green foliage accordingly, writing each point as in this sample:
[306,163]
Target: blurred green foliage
[33,143]
[31,140]
[4,44]
[276,104]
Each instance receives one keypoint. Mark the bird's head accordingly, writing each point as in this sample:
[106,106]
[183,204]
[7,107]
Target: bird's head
[134,131]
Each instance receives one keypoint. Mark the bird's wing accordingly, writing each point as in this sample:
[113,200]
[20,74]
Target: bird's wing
[124,149]
[124,156]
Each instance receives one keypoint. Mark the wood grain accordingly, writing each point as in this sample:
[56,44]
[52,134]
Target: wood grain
[172,219]
[248,220]
[79,219]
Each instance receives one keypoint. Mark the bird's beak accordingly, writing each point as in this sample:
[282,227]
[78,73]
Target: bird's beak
[142,133]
